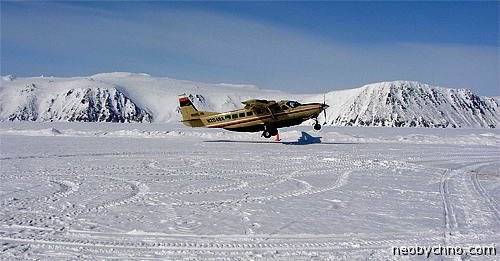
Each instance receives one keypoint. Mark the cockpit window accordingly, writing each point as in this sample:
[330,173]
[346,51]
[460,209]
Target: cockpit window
[293,104]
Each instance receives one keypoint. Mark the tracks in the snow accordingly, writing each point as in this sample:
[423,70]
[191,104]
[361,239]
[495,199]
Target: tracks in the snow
[488,199]
[450,219]
[142,245]
[451,201]
[94,197]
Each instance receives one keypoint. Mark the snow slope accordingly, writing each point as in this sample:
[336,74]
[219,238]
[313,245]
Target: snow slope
[138,97]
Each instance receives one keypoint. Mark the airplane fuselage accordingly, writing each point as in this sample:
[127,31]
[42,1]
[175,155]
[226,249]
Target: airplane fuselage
[251,120]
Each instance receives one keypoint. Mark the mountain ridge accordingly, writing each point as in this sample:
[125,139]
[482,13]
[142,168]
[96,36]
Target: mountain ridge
[139,97]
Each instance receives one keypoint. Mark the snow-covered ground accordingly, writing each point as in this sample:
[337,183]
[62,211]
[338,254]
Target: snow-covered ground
[160,191]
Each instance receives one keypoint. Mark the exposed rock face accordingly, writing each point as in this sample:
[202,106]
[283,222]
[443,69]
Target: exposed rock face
[80,104]
[28,106]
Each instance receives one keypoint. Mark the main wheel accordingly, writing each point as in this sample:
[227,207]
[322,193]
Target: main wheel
[266,134]
[317,126]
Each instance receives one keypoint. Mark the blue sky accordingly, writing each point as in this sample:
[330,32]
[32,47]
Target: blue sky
[299,47]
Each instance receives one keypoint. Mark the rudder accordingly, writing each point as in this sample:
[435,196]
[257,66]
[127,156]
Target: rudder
[190,115]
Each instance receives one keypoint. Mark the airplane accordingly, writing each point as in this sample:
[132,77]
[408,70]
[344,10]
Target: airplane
[257,115]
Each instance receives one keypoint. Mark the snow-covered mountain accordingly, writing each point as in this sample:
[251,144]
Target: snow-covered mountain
[411,104]
[136,97]
[81,100]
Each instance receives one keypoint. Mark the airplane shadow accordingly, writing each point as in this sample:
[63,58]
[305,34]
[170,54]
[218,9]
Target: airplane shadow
[305,139]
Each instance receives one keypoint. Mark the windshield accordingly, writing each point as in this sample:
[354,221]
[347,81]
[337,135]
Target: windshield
[293,104]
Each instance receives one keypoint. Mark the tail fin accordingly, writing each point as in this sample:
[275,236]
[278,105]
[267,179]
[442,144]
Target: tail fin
[187,108]
[190,115]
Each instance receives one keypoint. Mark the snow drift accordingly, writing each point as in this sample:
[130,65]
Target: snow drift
[138,97]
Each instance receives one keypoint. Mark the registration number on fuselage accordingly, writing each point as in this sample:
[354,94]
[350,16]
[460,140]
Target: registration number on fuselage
[216,119]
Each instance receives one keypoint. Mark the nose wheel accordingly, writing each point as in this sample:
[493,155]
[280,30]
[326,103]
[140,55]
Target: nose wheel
[316,125]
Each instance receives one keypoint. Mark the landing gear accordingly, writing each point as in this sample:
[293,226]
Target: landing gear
[317,126]
[268,133]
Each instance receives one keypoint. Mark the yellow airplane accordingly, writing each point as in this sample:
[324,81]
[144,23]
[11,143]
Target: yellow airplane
[257,115]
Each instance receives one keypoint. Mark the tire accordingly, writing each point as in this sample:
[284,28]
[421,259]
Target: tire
[266,134]
[317,126]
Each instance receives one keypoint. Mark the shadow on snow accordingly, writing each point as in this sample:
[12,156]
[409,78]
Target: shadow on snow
[305,139]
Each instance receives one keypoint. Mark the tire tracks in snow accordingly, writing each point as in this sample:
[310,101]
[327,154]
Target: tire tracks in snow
[451,223]
[481,191]
[126,243]
[450,219]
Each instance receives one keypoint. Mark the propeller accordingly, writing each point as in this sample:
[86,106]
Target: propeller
[324,107]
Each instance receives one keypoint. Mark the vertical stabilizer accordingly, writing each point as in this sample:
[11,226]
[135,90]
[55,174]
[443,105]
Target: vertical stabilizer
[190,115]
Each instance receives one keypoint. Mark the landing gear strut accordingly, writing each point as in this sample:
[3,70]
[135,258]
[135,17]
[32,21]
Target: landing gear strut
[317,126]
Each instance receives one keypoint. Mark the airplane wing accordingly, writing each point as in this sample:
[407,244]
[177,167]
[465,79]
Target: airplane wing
[254,104]
[259,104]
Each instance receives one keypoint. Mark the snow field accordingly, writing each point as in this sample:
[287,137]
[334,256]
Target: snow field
[78,191]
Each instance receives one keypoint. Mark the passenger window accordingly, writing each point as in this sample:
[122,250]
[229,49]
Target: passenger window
[249,113]
[234,116]
[242,114]
[227,117]
[293,104]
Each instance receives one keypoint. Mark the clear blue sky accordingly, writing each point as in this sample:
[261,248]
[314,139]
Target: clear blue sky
[299,47]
